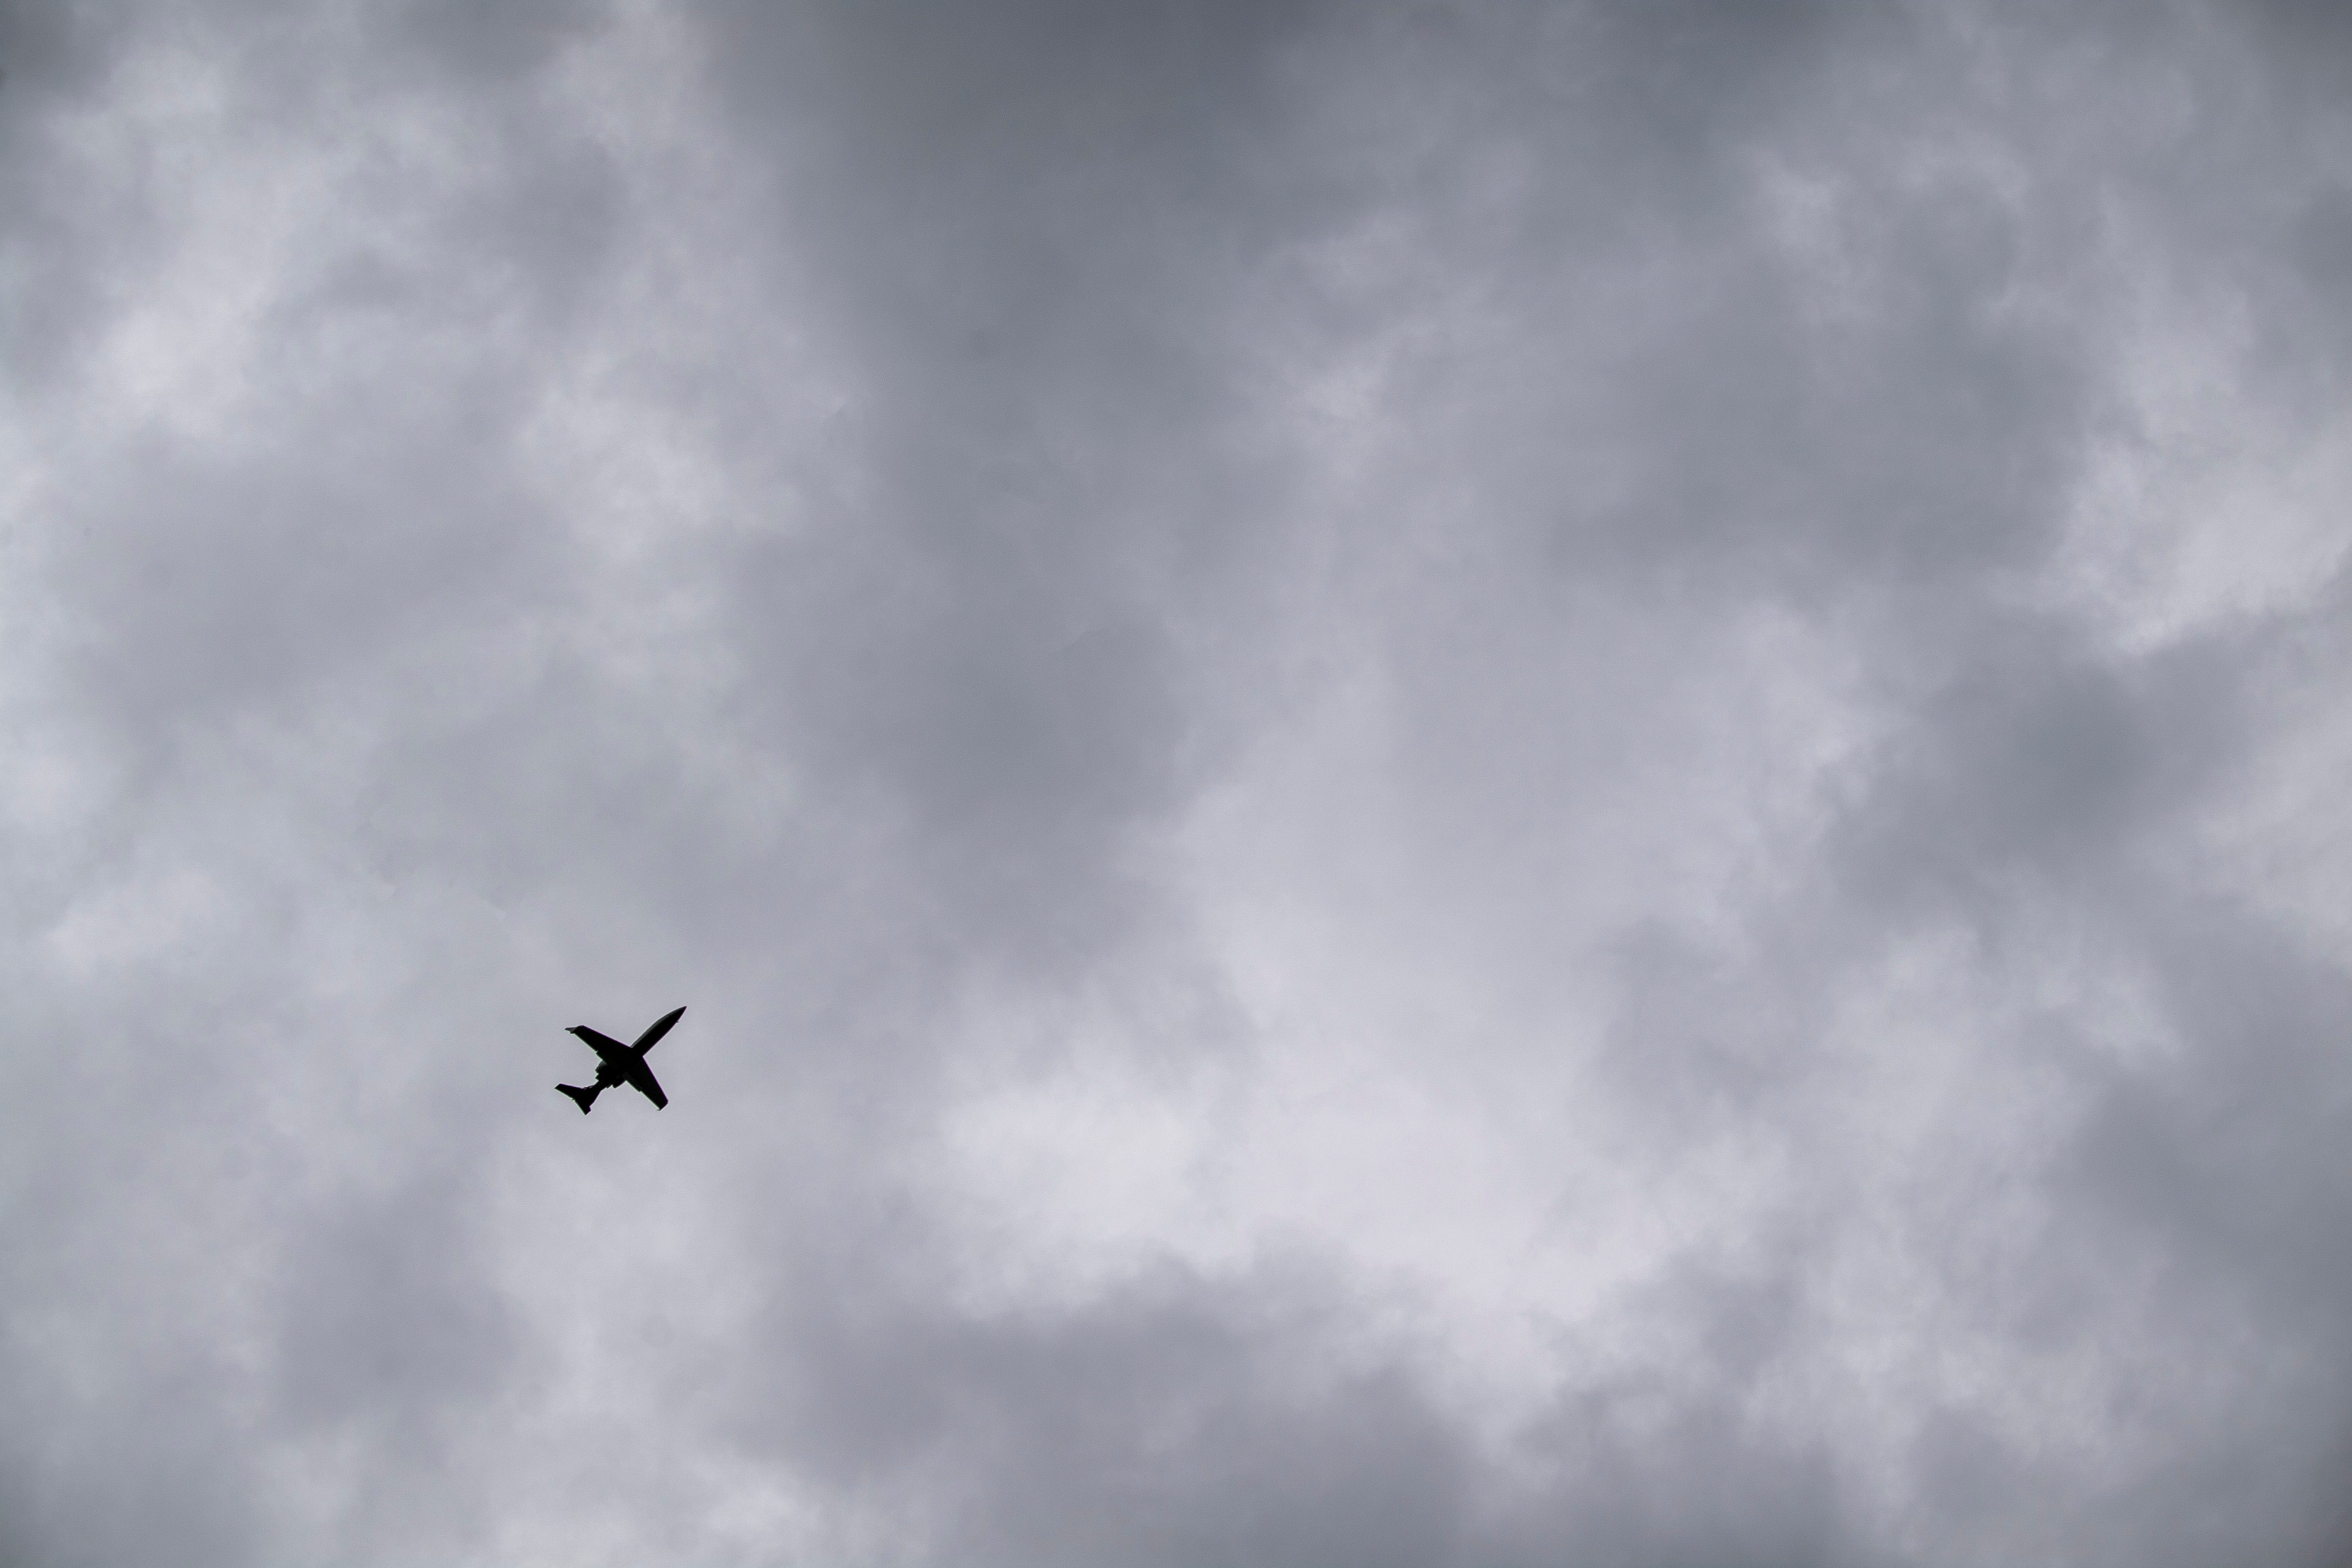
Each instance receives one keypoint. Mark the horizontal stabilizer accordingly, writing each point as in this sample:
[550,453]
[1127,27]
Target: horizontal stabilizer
[582,1097]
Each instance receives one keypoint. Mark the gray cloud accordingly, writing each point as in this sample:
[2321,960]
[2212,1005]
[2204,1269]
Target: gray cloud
[1435,785]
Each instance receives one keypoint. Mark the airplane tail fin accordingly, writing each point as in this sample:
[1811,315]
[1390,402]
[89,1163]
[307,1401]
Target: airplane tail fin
[582,1097]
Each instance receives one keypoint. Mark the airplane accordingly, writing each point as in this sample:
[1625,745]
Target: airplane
[622,1064]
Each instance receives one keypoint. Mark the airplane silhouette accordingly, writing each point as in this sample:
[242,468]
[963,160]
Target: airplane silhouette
[622,1064]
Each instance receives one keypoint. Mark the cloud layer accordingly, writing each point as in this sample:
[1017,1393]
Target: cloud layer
[1437,784]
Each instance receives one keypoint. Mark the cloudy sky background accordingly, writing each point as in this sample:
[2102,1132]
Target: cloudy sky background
[1440,785]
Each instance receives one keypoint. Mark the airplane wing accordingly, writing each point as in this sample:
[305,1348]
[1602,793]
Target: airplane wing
[603,1044]
[641,1079]
[661,1026]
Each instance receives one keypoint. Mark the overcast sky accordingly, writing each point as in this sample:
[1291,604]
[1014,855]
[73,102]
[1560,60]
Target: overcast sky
[1443,786]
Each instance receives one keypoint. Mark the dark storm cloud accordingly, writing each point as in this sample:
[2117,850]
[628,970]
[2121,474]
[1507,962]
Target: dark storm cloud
[51,56]
[1176,1421]
[1436,783]
[2038,759]
[1028,222]
[387,1312]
